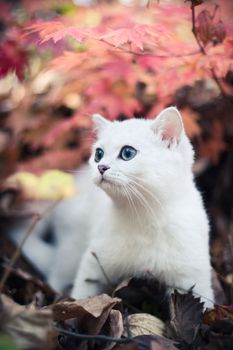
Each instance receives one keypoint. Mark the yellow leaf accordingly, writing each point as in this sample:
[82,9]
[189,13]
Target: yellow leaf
[51,185]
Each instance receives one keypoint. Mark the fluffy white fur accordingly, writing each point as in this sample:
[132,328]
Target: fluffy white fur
[148,215]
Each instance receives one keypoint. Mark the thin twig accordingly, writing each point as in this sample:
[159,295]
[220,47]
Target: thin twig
[17,252]
[103,271]
[98,337]
[36,217]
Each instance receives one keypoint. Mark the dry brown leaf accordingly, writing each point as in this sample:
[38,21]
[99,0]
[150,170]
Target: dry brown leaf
[141,324]
[220,312]
[28,327]
[92,313]
[116,326]
[185,318]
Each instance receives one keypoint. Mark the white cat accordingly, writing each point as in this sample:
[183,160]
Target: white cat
[149,217]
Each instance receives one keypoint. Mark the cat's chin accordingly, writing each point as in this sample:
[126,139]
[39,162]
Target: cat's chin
[112,187]
[109,183]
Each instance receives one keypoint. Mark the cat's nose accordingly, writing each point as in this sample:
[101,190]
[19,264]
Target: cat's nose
[103,168]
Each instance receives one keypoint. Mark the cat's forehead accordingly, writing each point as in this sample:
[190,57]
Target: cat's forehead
[131,132]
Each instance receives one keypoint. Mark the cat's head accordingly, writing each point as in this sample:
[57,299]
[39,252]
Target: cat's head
[142,159]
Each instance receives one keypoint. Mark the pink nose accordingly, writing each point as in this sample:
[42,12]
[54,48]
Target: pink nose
[103,168]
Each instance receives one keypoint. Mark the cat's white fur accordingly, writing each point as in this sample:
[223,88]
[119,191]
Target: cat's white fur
[149,218]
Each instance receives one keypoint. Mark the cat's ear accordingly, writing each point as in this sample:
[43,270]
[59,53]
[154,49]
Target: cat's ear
[168,124]
[100,122]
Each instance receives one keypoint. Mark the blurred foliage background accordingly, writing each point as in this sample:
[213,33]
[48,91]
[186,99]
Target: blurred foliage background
[61,61]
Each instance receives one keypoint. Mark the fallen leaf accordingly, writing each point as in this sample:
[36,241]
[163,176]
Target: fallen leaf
[141,324]
[185,317]
[91,313]
[28,327]
[220,312]
[116,326]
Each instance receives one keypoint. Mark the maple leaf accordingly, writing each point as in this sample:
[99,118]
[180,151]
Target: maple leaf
[121,36]
[136,35]
[56,31]
[45,28]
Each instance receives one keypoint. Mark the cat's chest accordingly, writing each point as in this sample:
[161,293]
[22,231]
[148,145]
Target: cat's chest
[134,250]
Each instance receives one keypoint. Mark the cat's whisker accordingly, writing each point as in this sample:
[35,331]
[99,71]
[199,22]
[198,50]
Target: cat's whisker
[134,206]
[141,199]
[129,191]
[130,201]
[137,183]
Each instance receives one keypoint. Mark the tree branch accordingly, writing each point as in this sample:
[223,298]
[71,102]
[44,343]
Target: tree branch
[202,49]
[109,282]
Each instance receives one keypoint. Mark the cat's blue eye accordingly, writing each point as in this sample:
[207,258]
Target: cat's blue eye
[127,153]
[99,153]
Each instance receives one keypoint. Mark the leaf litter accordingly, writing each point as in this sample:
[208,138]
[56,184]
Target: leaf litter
[105,322]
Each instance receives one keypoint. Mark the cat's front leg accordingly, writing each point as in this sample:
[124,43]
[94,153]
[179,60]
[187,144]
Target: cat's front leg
[90,279]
